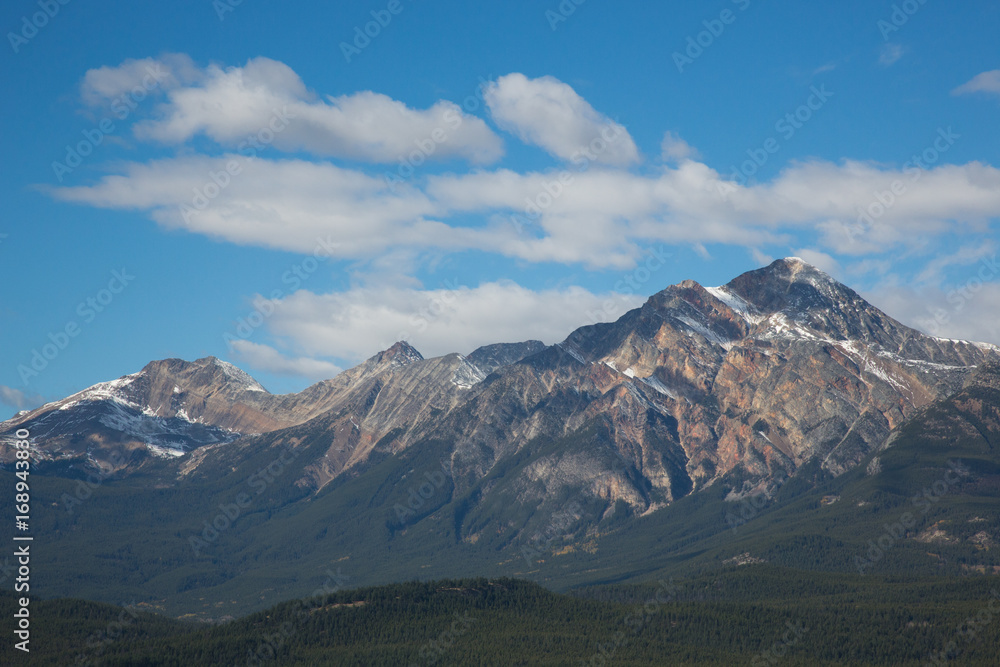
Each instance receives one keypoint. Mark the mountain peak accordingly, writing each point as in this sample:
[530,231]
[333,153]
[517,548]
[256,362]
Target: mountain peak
[797,269]
[204,372]
[791,285]
[400,354]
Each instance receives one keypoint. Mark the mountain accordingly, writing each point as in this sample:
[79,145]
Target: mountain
[172,406]
[615,452]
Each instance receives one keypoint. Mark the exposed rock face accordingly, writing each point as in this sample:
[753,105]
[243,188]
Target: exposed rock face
[491,357]
[745,382]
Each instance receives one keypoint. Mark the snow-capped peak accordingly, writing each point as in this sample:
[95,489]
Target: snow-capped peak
[239,377]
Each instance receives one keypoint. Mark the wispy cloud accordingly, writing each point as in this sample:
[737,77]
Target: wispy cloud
[675,149]
[16,398]
[987,82]
[890,54]
[262,357]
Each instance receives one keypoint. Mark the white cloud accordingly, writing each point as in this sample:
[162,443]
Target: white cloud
[675,149]
[934,271]
[987,82]
[820,260]
[355,324]
[548,113]
[231,104]
[956,313]
[595,213]
[280,204]
[890,54]
[954,296]
[264,358]
[599,217]
[105,84]
[16,398]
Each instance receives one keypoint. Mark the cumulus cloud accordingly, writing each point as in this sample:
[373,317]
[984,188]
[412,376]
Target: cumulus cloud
[987,82]
[357,323]
[265,358]
[600,217]
[229,105]
[593,212]
[548,113]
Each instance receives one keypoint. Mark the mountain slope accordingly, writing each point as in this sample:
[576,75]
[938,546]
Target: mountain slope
[618,452]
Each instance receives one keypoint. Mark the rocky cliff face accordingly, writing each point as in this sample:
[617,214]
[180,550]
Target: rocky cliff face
[737,384]
[749,380]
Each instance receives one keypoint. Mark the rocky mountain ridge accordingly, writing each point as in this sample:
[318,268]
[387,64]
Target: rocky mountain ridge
[745,382]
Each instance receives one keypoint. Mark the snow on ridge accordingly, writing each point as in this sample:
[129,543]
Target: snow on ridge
[737,304]
[241,377]
[707,333]
[653,382]
[982,346]
[467,375]
[571,352]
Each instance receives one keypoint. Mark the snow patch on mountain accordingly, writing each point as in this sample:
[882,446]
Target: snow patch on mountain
[737,304]
[568,348]
[467,375]
[240,378]
[658,386]
[705,332]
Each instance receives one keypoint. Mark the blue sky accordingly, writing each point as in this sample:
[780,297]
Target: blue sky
[389,191]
